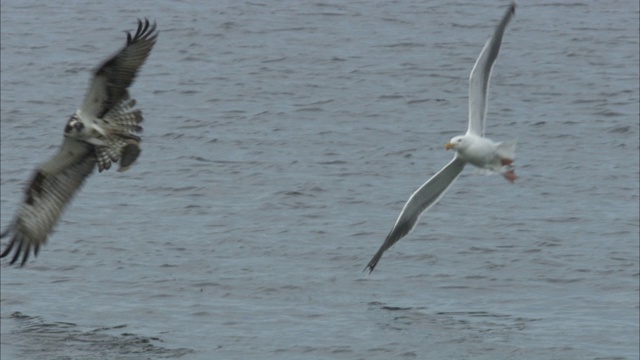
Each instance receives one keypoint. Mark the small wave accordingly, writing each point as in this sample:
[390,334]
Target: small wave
[37,339]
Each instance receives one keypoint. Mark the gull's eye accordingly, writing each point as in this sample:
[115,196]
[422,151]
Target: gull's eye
[459,140]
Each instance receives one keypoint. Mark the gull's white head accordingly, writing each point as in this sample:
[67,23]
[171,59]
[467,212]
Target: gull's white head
[457,143]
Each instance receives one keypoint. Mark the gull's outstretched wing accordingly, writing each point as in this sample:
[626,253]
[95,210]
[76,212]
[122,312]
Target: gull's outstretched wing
[111,79]
[50,190]
[481,73]
[421,200]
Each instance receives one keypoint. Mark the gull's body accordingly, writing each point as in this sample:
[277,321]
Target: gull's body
[471,148]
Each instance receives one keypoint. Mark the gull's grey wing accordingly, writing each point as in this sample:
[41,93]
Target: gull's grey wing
[50,190]
[481,73]
[111,80]
[421,200]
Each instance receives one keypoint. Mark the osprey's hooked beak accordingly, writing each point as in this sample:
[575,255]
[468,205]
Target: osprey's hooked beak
[73,125]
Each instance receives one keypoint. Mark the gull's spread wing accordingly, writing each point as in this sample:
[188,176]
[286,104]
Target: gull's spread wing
[421,200]
[481,73]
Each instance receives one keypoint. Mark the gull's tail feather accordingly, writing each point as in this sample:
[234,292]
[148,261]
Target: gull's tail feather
[507,150]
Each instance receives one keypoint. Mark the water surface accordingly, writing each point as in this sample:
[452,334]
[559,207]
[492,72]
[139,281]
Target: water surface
[282,139]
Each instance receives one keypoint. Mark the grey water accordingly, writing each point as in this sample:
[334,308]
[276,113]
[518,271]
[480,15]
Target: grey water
[282,139]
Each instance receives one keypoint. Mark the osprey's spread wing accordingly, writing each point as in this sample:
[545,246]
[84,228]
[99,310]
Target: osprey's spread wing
[100,132]
[111,80]
[51,188]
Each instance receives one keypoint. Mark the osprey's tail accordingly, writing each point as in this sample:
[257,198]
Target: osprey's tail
[121,144]
[118,149]
[122,117]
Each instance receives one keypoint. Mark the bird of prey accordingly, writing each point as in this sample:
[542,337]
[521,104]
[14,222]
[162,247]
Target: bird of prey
[102,131]
[472,148]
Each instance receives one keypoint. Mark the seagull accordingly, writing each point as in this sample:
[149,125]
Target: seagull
[471,148]
[99,133]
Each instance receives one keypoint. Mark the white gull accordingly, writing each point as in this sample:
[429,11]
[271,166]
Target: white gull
[472,147]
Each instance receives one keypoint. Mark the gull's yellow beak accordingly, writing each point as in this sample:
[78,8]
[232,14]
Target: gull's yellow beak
[449,146]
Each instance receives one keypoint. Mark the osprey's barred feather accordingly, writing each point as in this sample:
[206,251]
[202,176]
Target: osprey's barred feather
[101,132]
[123,117]
[120,123]
[50,190]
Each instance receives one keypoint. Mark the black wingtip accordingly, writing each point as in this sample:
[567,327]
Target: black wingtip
[142,27]
[370,266]
[19,252]
[6,250]
[145,30]
[9,246]
[374,260]
[22,249]
[368,269]
[16,256]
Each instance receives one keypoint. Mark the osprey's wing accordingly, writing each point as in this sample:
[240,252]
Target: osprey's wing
[50,190]
[481,73]
[421,200]
[111,80]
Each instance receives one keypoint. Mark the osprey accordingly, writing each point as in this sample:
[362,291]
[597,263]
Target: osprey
[99,133]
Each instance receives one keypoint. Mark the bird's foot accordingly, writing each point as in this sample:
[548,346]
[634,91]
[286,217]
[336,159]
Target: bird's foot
[505,161]
[510,175]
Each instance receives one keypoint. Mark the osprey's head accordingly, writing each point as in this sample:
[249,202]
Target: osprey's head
[74,126]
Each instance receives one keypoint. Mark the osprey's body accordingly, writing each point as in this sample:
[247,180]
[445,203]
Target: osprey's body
[101,132]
